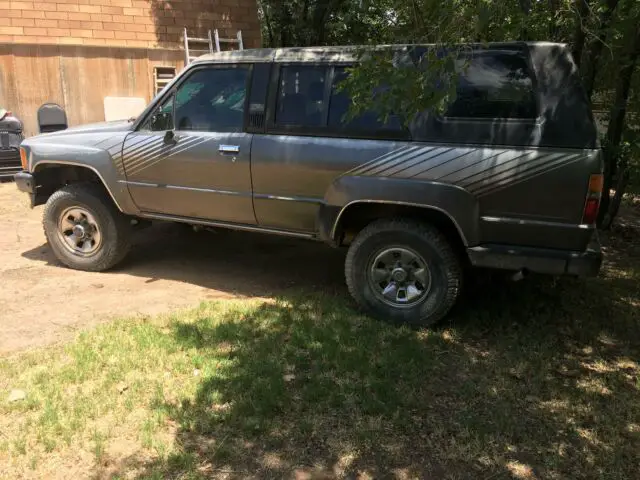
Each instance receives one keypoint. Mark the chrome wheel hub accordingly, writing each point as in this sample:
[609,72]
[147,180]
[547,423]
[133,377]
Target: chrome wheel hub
[399,276]
[78,230]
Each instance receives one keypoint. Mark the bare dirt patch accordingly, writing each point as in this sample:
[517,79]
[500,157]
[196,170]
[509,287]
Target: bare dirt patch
[42,302]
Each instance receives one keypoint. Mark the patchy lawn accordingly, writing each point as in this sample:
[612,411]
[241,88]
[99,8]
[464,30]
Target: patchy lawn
[538,379]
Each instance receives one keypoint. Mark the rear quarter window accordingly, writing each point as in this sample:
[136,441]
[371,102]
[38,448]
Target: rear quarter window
[368,121]
[494,85]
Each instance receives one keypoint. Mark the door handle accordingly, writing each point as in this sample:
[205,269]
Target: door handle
[229,149]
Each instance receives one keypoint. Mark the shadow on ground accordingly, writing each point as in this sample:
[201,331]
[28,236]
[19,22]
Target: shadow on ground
[537,379]
[241,263]
[531,380]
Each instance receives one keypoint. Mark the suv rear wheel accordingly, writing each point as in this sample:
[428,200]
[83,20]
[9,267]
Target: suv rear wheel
[84,228]
[403,271]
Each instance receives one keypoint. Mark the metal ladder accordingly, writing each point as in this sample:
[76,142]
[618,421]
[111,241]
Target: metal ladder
[210,42]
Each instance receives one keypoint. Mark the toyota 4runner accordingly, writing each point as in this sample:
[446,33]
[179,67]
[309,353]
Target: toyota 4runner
[508,177]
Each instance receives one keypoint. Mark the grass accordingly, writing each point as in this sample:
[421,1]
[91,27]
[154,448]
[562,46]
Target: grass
[538,379]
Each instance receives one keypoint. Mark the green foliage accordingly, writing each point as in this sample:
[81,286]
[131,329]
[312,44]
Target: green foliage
[447,24]
[406,94]
[603,33]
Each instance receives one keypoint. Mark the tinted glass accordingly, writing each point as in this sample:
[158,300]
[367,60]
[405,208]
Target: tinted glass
[301,96]
[212,100]
[368,121]
[494,85]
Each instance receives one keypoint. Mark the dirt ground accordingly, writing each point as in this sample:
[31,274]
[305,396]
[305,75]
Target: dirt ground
[42,302]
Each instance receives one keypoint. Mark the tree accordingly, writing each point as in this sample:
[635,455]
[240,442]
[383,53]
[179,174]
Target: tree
[603,35]
[582,11]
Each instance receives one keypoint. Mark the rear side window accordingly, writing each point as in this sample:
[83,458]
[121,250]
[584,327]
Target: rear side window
[367,121]
[494,85]
[308,100]
[300,100]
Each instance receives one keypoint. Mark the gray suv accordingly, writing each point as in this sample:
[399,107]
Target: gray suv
[508,177]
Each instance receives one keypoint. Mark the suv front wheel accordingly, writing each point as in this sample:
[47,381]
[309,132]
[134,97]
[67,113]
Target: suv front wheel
[84,229]
[403,271]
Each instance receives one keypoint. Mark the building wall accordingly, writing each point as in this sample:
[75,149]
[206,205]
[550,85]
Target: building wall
[131,23]
[76,77]
[76,52]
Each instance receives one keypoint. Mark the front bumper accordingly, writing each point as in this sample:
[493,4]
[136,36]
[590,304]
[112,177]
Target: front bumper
[25,182]
[539,260]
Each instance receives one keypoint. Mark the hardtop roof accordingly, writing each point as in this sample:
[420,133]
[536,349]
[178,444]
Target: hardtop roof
[331,54]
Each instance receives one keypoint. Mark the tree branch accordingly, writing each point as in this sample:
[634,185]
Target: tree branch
[590,66]
[615,130]
[582,13]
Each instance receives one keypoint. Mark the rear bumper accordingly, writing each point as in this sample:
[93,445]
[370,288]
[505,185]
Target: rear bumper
[9,162]
[539,260]
[9,173]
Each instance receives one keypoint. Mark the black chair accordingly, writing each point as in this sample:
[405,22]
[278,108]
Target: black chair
[51,118]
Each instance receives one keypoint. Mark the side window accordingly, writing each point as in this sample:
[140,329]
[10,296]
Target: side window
[212,100]
[300,99]
[162,119]
[494,85]
[366,122]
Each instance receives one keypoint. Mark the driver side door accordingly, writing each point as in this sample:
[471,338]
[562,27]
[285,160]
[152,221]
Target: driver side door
[191,157]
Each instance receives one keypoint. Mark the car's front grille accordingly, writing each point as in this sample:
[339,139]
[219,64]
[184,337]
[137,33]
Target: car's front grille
[10,139]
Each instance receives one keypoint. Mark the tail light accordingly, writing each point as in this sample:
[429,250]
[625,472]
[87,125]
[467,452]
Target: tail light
[23,158]
[592,204]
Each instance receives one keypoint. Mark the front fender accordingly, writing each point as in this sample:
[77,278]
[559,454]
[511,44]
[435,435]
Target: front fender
[103,158]
[455,202]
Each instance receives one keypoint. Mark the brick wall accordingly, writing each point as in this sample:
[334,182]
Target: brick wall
[125,23]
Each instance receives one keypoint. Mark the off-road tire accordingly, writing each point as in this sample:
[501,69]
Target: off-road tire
[442,260]
[115,227]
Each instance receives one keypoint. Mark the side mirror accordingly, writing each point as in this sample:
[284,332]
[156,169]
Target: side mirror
[170,138]
[160,121]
